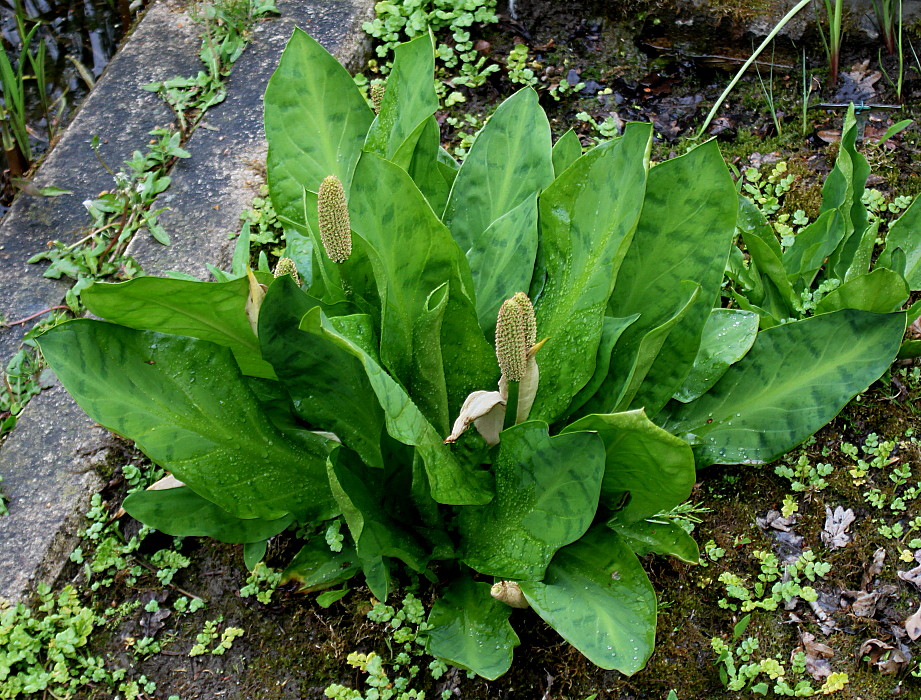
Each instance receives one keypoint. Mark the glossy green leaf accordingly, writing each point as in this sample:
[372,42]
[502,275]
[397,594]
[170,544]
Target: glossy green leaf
[316,567]
[206,310]
[505,267]
[509,162]
[360,494]
[728,335]
[433,178]
[842,192]
[470,629]
[794,380]
[412,254]
[253,553]
[597,596]
[653,466]
[611,331]
[186,405]
[910,349]
[684,233]
[328,386]
[633,357]
[315,124]
[546,497]
[655,536]
[409,98]
[181,512]
[450,481]
[566,151]
[587,219]
[905,234]
[429,386]
[776,294]
[881,291]
[811,249]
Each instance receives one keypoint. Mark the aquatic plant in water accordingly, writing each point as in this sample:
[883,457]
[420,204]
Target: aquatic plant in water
[548,304]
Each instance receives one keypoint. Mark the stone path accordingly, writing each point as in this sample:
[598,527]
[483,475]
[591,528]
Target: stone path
[47,462]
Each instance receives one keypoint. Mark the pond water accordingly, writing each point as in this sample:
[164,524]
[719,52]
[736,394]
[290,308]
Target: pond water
[79,38]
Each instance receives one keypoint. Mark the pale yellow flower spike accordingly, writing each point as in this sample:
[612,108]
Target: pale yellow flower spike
[335,228]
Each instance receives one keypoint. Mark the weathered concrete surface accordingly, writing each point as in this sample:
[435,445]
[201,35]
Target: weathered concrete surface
[47,462]
[48,477]
[164,44]
[211,189]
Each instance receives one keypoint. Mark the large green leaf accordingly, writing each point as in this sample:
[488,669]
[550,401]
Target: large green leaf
[684,233]
[633,356]
[811,249]
[505,267]
[412,254]
[409,99]
[566,151]
[450,481]
[905,234]
[183,513]
[470,629]
[794,380]
[842,192]
[186,405]
[510,161]
[597,596]
[881,291]
[655,536]
[360,495]
[611,331]
[546,497]
[214,311]
[654,467]
[315,123]
[775,293]
[587,219]
[316,567]
[728,335]
[431,175]
[328,386]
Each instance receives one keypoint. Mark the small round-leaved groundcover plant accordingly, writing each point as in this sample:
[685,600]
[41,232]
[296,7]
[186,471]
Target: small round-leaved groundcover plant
[367,388]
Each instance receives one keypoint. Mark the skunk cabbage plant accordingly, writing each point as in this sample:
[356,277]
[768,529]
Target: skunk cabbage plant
[828,265]
[469,367]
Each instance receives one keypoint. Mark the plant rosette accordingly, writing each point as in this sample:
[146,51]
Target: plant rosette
[329,398]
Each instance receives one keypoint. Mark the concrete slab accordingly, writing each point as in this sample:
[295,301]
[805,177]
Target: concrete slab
[164,44]
[48,477]
[47,461]
[211,189]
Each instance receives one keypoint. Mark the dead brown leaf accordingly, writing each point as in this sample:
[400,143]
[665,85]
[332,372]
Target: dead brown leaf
[816,655]
[865,603]
[874,569]
[913,625]
[837,522]
[913,576]
[885,658]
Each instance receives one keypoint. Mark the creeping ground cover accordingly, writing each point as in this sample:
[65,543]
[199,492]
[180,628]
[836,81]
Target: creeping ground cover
[500,376]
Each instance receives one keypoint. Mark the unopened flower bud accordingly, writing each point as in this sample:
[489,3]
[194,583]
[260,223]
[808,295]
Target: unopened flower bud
[516,333]
[335,229]
[509,592]
[377,96]
[286,266]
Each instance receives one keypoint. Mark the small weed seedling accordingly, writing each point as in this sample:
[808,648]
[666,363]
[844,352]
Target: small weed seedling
[385,681]
[740,670]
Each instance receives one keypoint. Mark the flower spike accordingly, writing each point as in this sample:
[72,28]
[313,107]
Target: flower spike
[516,333]
[286,266]
[335,228]
[377,96]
